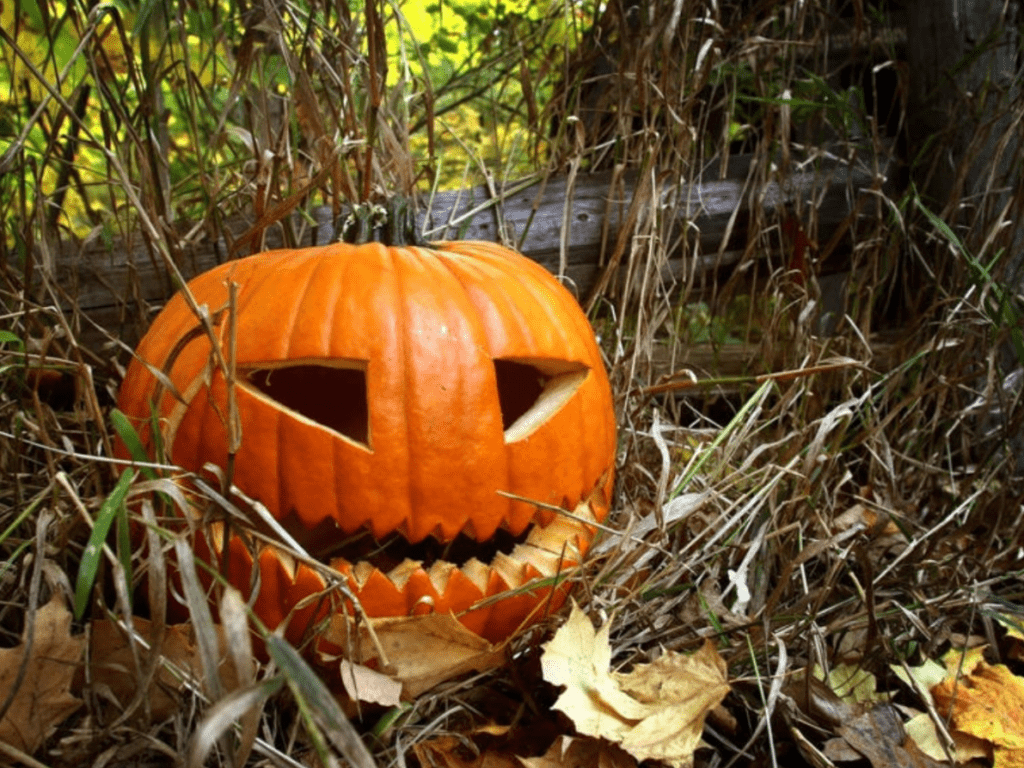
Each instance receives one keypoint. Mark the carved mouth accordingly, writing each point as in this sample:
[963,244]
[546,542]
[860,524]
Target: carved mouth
[389,584]
[389,552]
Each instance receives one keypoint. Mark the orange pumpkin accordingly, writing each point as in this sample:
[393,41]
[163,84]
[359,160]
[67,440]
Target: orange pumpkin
[389,390]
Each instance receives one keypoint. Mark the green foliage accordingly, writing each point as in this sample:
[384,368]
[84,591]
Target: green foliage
[18,347]
[113,509]
[322,716]
[755,94]
[207,106]
[25,514]
[132,441]
[697,325]
[488,65]
[1004,309]
[6,337]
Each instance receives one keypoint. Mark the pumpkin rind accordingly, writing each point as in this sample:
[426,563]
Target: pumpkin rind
[423,325]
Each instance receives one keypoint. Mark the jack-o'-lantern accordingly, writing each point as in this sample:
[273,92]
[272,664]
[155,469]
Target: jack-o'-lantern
[442,395]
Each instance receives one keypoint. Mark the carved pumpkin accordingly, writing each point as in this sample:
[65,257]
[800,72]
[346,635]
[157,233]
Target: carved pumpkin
[382,391]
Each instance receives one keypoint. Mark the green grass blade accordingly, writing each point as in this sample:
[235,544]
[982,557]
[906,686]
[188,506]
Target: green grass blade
[131,441]
[318,706]
[94,549]
[6,337]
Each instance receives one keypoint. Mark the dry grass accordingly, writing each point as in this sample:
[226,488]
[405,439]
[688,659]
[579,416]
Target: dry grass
[863,505]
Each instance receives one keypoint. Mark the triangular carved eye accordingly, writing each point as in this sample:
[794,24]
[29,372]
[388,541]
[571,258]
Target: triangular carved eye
[532,391]
[333,396]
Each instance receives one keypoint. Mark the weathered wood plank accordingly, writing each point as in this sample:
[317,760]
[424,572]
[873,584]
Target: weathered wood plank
[116,284]
[534,216]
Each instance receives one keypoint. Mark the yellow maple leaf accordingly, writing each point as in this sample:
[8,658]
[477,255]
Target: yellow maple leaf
[579,658]
[1014,626]
[963,662]
[655,711]
[985,701]
[851,683]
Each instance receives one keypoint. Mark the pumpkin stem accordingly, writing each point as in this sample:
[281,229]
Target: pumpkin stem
[393,225]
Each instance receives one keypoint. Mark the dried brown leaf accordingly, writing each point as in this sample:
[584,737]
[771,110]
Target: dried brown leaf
[113,666]
[419,651]
[569,752]
[865,724]
[452,752]
[656,711]
[684,690]
[43,700]
[365,684]
[878,735]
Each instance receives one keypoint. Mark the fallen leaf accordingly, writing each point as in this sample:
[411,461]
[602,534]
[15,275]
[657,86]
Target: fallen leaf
[923,678]
[1014,626]
[463,752]
[964,663]
[580,659]
[865,725]
[656,711]
[818,702]
[852,683]
[986,702]
[43,700]
[858,514]
[365,684]
[453,752]
[921,728]
[684,690]
[878,735]
[112,665]
[569,752]
[419,651]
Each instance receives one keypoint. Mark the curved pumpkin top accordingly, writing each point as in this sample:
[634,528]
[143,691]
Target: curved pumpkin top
[372,384]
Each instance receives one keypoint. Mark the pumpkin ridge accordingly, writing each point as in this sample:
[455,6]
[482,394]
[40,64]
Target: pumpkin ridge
[443,290]
[250,280]
[488,289]
[405,350]
[495,296]
[544,296]
[337,286]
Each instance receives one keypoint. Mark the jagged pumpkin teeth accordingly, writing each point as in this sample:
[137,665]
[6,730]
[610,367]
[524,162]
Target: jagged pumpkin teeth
[477,573]
[388,391]
[360,571]
[545,561]
[440,573]
[512,571]
[287,563]
[400,576]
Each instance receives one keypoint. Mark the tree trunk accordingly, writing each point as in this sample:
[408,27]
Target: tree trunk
[964,113]
[965,121]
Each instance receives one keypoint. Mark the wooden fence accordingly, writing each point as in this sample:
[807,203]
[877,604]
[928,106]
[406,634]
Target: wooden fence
[115,285]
